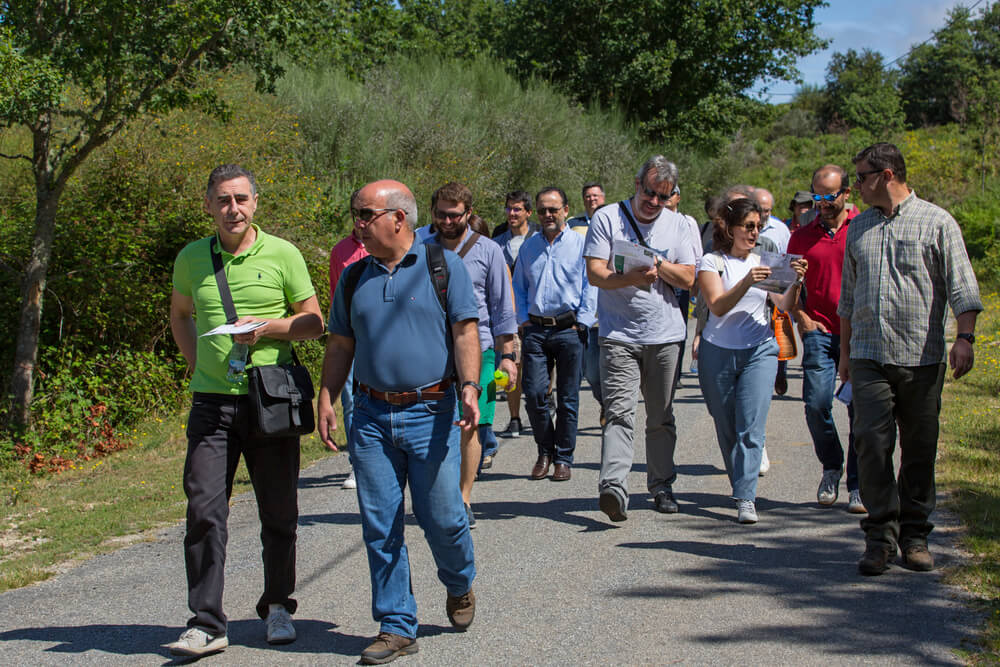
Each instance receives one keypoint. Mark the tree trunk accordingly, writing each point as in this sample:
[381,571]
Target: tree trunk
[48,191]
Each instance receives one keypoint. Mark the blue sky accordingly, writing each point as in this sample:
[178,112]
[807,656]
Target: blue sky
[888,26]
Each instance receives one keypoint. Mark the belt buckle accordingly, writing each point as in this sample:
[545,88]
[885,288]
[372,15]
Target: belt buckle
[548,321]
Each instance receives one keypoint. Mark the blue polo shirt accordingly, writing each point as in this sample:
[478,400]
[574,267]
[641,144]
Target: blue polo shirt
[401,341]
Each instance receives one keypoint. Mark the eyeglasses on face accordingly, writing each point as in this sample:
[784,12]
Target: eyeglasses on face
[514,209]
[819,198]
[862,175]
[369,214]
[659,196]
[750,226]
[548,210]
[451,217]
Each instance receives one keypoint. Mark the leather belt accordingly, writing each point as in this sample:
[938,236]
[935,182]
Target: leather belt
[560,321]
[435,392]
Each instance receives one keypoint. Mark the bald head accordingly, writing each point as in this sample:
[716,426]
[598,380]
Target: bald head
[766,202]
[391,210]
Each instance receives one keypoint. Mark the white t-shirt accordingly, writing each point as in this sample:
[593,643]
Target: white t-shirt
[747,324]
[629,314]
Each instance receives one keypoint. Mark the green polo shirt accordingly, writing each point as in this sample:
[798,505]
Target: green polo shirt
[264,281]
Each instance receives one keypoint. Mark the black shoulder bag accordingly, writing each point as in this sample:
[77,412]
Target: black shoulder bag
[280,395]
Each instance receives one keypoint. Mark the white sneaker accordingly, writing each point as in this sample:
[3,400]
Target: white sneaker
[351,482]
[747,512]
[279,625]
[765,463]
[829,487]
[854,504]
[194,642]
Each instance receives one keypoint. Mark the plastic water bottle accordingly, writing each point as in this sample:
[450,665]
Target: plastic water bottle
[501,378]
[237,363]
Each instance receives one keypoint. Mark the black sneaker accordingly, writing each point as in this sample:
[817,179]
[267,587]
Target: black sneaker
[612,504]
[665,503]
[513,429]
[472,517]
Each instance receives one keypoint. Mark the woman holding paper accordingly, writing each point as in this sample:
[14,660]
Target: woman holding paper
[738,356]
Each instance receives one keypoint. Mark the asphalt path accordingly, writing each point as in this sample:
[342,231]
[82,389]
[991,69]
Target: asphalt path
[557,582]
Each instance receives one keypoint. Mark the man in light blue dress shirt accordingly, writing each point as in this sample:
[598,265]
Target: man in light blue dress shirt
[555,307]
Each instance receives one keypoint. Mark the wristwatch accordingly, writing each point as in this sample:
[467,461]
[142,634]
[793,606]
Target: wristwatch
[474,385]
[969,337]
[508,355]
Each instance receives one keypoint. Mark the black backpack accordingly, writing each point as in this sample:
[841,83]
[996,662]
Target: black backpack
[436,267]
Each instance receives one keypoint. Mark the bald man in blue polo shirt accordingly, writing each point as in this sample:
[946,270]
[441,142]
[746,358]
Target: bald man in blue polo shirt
[406,356]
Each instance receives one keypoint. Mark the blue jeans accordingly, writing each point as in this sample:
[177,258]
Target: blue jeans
[390,446]
[820,356]
[592,364]
[347,402]
[488,440]
[565,348]
[737,386]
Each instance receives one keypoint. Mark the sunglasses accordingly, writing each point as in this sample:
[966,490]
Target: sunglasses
[751,226]
[819,198]
[451,217]
[653,194]
[369,214]
[862,175]
[548,210]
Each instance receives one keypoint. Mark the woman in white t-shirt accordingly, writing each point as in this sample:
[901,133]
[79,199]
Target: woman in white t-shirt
[738,356]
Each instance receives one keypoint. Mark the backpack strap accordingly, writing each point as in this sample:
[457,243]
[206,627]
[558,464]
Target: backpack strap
[222,282]
[438,269]
[469,242]
[350,278]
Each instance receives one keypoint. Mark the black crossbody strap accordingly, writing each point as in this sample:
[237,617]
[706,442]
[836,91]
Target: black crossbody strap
[223,283]
[227,297]
[635,228]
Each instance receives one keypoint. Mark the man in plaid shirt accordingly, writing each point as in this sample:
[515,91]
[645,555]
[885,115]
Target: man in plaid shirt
[905,260]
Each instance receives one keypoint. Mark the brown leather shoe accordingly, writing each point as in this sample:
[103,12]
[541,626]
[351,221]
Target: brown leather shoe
[387,647]
[541,468]
[876,559]
[917,557]
[461,610]
[561,473]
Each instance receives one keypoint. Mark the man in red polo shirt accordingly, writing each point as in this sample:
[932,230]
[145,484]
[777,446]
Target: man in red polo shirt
[345,253]
[822,242]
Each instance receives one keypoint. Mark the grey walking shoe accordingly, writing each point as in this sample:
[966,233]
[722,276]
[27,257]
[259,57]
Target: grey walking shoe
[747,511]
[829,487]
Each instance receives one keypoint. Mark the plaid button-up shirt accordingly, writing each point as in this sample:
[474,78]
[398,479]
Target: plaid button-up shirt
[899,273]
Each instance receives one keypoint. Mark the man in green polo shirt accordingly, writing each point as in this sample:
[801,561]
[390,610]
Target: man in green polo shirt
[269,283]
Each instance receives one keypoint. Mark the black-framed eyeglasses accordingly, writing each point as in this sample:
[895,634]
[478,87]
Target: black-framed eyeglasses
[369,214]
[514,209]
[819,198]
[659,196]
[862,175]
[548,210]
[450,217]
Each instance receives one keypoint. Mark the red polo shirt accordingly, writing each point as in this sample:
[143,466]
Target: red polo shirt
[343,255]
[826,265]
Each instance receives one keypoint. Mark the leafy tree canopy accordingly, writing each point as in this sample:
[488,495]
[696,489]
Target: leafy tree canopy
[666,64]
[862,93]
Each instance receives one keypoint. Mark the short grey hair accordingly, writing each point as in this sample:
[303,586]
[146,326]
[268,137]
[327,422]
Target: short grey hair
[403,200]
[228,172]
[737,191]
[665,170]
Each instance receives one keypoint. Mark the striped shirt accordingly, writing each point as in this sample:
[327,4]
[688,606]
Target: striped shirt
[899,273]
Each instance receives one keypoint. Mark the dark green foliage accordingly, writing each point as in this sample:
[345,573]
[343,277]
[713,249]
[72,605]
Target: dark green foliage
[861,93]
[679,68]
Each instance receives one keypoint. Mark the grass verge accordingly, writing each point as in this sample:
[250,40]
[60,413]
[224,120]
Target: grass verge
[49,521]
[968,471]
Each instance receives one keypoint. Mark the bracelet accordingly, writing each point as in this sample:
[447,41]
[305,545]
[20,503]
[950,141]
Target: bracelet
[509,355]
[474,385]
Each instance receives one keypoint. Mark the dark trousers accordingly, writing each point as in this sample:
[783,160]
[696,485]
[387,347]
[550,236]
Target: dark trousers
[885,397]
[684,301]
[565,348]
[218,432]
